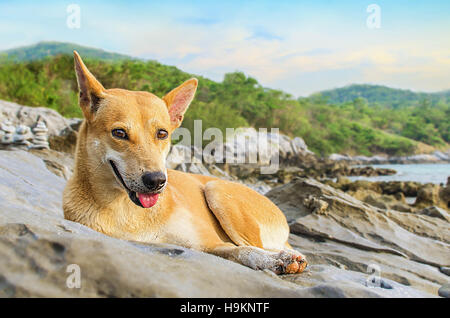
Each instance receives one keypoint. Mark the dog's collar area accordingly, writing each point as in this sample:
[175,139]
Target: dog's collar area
[131,194]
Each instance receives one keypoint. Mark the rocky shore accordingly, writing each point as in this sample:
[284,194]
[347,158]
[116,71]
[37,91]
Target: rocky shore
[362,239]
[435,157]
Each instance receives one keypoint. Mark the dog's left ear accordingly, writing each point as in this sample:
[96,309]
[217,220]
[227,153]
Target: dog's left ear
[178,100]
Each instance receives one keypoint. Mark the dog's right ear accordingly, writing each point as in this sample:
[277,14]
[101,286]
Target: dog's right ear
[91,90]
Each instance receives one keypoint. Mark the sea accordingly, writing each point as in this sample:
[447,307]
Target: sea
[425,173]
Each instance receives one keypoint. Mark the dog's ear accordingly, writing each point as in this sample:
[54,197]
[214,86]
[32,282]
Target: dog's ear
[178,101]
[91,91]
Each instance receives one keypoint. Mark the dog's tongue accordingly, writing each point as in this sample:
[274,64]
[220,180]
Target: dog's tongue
[148,199]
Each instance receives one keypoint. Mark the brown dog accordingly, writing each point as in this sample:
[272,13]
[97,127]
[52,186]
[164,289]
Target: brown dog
[120,185]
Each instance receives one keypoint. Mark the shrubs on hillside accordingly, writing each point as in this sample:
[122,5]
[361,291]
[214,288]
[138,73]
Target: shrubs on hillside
[237,101]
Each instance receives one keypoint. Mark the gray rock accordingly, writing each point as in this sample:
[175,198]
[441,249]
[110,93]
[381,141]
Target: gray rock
[338,157]
[37,246]
[417,239]
[444,291]
[24,115]
[436,212]
[8,139]
[445,270]
[7,127]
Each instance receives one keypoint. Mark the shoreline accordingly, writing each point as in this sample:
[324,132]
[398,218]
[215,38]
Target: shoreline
[435,173]
[435,157]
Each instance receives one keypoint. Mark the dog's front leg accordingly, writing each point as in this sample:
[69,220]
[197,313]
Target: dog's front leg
[279,262]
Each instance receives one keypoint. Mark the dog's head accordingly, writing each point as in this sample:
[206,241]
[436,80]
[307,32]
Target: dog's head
[128,134]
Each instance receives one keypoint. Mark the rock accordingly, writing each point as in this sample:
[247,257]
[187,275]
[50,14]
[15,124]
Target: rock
[445,270]
[59,163]
[338,157]
[7,127]
[179,154]
[342,181]
[399,196]
[435,157]
[65,141]
[299,146]
[249,146]
[416,239]
[370,171]
[376,201]
[392,270]
[40,140]
[422,158]
[385,202]
[363,185]
[316,206]
[429,195]
[444,195]
[39,251]
[441,156]
[24,115]
[444,291]
[48,127]
[408,188]
[436,212]
[349,280]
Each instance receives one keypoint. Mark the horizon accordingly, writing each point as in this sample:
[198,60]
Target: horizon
[299,48]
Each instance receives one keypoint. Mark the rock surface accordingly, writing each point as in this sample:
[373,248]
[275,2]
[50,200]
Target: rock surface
[37,247]
[409,248]
[26,127]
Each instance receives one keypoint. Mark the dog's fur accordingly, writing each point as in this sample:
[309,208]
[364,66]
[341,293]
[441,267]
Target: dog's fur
[200,212]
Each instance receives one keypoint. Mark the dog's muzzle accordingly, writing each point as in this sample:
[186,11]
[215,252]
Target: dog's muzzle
[153,181]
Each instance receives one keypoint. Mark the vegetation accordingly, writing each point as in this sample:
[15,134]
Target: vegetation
[43,49]
[382,95]
[363,125]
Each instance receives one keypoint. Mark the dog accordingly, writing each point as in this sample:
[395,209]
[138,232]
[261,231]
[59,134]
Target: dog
[121,187]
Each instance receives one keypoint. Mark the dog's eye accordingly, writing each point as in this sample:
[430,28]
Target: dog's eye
[119,133]
[162,134]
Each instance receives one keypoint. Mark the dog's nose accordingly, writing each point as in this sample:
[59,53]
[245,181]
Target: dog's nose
[154,180]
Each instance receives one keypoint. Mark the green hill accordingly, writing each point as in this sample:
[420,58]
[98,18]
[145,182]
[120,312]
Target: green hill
[386,96]
[354,125]
[45,49]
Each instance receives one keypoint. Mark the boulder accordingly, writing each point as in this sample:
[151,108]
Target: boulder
[363,185]
[408,188]
[429,195]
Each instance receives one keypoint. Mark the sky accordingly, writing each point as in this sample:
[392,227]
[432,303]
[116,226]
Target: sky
[300,47]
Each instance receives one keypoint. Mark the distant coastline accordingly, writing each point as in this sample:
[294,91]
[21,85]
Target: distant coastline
[436,173]
[435,157]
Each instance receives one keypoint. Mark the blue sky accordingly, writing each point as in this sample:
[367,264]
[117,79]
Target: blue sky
[298,46]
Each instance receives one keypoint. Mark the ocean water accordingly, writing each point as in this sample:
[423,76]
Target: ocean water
[424,173]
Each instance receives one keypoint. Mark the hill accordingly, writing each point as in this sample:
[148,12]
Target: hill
[383,95]
[353,127]
[44,49]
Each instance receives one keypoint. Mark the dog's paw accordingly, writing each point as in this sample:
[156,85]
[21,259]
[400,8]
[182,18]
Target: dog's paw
[289,262]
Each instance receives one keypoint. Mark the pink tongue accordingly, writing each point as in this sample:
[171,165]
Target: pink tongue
[148,199]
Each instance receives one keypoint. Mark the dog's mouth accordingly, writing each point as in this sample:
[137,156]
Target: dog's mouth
[143,200]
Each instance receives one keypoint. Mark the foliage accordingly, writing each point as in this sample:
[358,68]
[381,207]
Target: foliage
[352,126]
